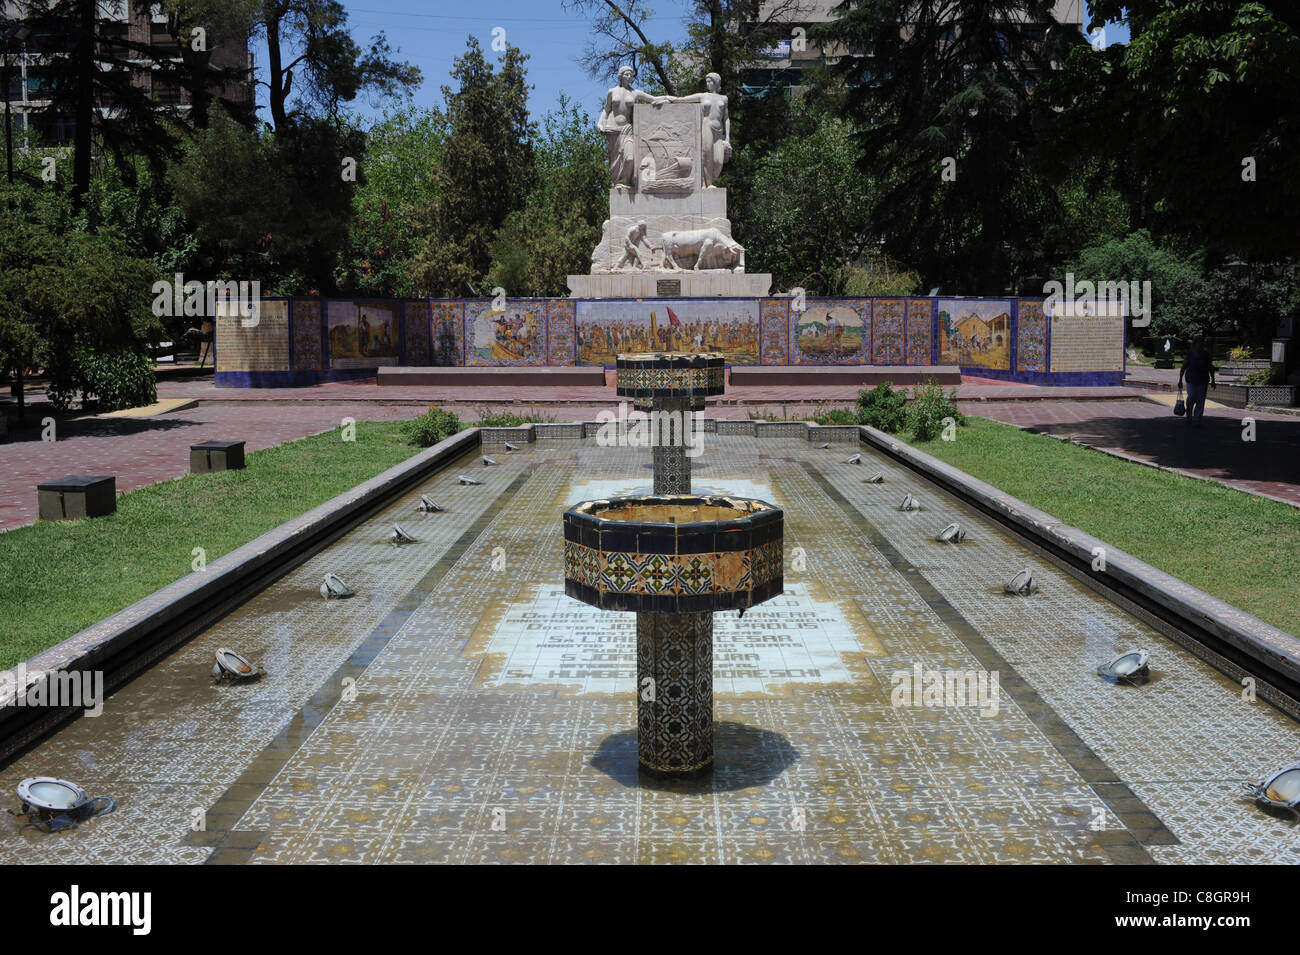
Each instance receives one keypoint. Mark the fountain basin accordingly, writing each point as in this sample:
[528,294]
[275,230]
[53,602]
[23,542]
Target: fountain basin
[673,553]
[692,376]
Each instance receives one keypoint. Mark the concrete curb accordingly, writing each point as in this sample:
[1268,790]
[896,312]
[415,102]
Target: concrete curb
[133,638]
[1225,631]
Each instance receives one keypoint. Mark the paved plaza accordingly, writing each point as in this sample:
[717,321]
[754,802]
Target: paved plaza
[459,708]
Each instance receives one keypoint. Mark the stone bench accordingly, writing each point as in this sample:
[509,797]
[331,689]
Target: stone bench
[865,376]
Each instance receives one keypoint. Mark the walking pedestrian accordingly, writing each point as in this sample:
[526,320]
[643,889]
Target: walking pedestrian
[1199,371]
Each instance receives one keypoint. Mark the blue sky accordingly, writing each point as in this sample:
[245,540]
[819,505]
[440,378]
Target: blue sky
[431,35]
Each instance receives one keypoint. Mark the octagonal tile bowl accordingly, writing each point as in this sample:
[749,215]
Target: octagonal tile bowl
[673,553]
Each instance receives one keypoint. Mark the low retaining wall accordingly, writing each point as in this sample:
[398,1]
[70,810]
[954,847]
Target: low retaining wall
[865,376]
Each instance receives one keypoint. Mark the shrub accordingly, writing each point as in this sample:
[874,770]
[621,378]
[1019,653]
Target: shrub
[431,427]
[882,407]
[1260,376]
[930,406]
[837,416]
[1240,353]
[487,418]
[111,380]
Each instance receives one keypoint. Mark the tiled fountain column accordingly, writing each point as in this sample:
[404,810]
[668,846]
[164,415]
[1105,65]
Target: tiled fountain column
[674,708]
[672,466]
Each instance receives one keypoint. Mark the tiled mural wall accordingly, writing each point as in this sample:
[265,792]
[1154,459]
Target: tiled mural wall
[1008,339]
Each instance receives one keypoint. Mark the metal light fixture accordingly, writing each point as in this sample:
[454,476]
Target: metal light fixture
[334,587]
[910,504]
[466,480]
[399,536]
[511,447]
[953,533]
[856,459]
[488,462]
[52,804]
[1131,666]
[877,478]
[825,446]
[1280,789]
[1022,583]
[429,506]
[231,666]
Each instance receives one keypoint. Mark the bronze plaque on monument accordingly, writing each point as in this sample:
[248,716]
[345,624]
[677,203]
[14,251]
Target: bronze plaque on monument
[668,288]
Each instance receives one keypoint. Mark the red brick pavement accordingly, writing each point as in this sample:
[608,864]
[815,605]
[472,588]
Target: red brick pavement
[1269,465]
[144,451]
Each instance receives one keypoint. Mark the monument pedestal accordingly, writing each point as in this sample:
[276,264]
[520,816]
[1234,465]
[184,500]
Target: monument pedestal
[671,283]
[665,222]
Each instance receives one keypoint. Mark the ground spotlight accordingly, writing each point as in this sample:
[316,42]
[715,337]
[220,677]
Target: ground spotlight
[877,478]
[399,536]
[953,533]
[53,804]
[488,462]
[856,459]
[231,666]
[429,506]
[466,480]
[1280,789]
[1129,667]
[334,587]
[910,504]
[1022,583]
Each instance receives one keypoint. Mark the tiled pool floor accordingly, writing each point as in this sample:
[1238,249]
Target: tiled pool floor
[461,709]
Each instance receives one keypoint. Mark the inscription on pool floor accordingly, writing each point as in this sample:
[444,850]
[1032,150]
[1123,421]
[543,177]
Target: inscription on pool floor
[547,639]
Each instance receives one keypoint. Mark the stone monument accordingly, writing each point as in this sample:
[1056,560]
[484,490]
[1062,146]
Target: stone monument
[667,234]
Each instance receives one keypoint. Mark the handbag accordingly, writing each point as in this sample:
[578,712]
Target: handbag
[1180,409]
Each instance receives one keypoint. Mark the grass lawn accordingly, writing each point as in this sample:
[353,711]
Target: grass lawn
[60,577]
[1240,548]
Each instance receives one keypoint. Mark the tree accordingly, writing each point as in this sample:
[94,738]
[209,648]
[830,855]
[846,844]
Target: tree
[275,208]
[939,94]
[807,212]
[1137,258]
[551,236]
[77,304]
[618,37]
[404,151]
[308,41]
[1204,103]
[485,173]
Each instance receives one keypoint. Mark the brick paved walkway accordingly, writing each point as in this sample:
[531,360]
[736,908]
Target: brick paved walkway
[144,451]
[1269,465]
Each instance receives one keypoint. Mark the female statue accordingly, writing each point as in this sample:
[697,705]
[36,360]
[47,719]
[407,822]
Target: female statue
[715,128]
[616,123]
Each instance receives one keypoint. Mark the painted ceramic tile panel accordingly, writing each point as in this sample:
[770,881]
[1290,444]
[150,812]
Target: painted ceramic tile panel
[362,334]
[1031,335]
[514,335]
[830,332]
[975,333]
[920,331]
[606,328]
[306,335]
[887,331]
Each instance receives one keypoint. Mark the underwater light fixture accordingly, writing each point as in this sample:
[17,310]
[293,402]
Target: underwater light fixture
[953,533]
[1022,583]
[910,504]
[488,462]
[466,480]
[1279,789]
[856,459]
[231,666]
[52,804]
[334,587]
[1131,666]
[877,478]
[429,506]
[825,446]
[511,447]
[399,536]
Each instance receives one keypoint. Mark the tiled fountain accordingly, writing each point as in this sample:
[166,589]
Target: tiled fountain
[675,558]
